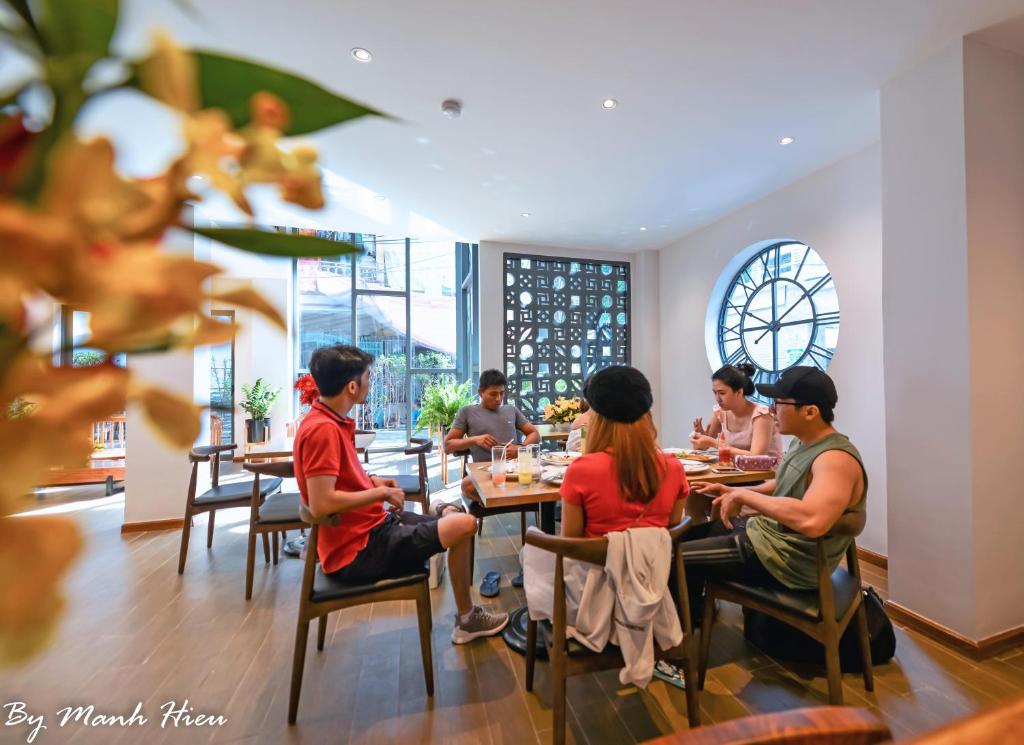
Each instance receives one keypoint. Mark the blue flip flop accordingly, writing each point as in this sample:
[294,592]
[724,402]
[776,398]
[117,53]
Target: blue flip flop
[489,584]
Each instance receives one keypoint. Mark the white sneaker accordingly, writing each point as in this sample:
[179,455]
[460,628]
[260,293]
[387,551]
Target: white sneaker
[480,623]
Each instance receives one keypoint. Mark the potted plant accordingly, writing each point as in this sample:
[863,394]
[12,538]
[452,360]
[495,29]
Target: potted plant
[562,412]
[441,402]
[259,399]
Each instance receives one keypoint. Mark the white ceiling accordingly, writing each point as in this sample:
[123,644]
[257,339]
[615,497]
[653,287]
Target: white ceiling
[706,89]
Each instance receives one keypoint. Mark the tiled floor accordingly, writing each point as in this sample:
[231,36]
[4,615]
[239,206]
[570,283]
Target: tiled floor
[136,631]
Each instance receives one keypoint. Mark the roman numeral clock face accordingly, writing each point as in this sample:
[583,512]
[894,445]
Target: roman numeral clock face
[780,310]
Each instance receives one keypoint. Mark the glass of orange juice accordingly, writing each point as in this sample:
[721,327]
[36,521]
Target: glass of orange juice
[527,454]
[498,466]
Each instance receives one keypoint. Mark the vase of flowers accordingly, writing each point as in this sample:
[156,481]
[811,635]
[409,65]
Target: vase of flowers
[563,412]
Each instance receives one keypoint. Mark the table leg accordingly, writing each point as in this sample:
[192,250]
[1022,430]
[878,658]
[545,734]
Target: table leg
[515,633]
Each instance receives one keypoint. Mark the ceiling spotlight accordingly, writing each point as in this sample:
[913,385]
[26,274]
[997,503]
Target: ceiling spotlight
[380,197]
[451,108]
[643,227]
[524,214]
[786,141]
[361,55]
[609,103]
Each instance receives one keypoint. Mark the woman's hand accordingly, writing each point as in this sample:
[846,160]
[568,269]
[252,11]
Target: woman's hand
[702,442]
[698,426]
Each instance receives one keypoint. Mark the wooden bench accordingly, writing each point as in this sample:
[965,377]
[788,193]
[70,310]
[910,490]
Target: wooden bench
[97,472]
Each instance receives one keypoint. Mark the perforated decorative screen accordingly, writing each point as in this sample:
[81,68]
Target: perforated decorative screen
[564,319]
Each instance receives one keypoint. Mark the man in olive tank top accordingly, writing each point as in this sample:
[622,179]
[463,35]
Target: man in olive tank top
[820,479]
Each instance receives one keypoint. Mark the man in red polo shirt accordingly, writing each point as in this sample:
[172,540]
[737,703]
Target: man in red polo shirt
[371,543]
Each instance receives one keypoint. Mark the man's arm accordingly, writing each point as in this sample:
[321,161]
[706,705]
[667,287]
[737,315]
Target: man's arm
[456,439]
[531,432]
[325,500]
[716,490]
[835,476]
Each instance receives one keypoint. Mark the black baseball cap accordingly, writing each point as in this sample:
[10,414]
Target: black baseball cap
[805,384]
[620,393]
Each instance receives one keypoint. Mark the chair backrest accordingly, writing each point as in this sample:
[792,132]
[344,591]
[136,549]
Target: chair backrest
[283,469]
[216,429]
[202,454]
[851,524]
[848,525]
[420,447]
[309,570]
[595,551]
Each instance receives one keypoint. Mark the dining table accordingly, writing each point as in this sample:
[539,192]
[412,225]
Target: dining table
[281,447]
[549,433]
[546,495]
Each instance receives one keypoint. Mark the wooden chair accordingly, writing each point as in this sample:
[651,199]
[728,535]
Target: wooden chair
[416,486]
[216,429]
[217,497]
[569,658]
[477,510]
[822,614]
[819,725]
[273,515]
[322,595]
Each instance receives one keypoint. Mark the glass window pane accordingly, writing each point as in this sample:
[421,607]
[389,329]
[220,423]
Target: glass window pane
[325,304]
[380,330]
[381,266]
[434,310]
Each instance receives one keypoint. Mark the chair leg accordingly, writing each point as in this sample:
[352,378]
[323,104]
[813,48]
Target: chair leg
[321,632]
[185,530]
[531,651]
[705,638]
[423,613]
[865,647]
[690,680]
[266,548]
[250,564]
[558,702]
[522,528]
[832,670]
[209,529]
[298,662]
[277,549]
[472,557]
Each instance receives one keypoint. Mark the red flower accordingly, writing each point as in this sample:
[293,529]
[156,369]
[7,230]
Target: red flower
[308,392]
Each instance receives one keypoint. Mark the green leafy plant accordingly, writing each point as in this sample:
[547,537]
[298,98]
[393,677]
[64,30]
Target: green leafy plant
[259,399]
[441,402]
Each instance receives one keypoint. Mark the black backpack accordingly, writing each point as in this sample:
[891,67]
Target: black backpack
[784,642]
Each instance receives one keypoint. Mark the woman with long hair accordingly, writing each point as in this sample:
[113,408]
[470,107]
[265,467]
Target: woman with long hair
[750,428]
[624,481]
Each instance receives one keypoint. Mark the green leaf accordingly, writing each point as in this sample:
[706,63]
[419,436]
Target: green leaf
[79,28]
[277,244]
[228,83]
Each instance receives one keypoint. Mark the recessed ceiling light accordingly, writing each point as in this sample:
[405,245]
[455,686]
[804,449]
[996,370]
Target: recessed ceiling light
[786,141]
[643,227]
[380,197]
[525,214]
[361,55]
[609,103]
[423,140]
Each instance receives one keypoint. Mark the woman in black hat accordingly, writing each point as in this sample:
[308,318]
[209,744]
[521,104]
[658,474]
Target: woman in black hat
[624,481]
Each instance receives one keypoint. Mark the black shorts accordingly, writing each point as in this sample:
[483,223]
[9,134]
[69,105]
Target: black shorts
[400,545]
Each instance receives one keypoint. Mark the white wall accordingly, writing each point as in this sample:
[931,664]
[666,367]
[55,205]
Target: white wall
[994,146]
[836,211]
[645,342]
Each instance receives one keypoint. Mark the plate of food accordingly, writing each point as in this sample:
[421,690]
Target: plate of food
[698,456]
[678,452]
[559,459]
[552,475]
[691,467]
